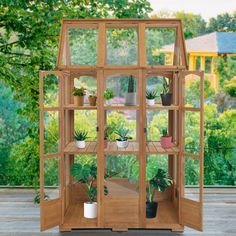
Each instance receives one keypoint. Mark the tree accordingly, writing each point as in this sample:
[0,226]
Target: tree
[223,23]
[193,24]
[28,43]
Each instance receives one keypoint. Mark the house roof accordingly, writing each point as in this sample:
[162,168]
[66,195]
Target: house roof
[216,42]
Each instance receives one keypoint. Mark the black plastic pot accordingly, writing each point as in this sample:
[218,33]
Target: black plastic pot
[151,209]
[166,99]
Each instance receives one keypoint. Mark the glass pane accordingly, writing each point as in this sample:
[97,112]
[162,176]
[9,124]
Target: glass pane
[160,46]
[192,178]
[89,83]
[208,65]
[161,161]
[155,85]
[83,46]
[122,46]
[51,178]
[86,120]
[192,91]
[157,120]
[51,132]
[124,88]
[118,120]
[51,91]
[122,198]
[192,132]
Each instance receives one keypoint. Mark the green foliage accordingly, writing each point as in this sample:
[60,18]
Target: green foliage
[86,174]
[122,133]
[79,91]
[230,87]
[151,94]
[164,132]
[108,94]
[80,135]
[158,179]
[165,86]
[222,23]
[131,88]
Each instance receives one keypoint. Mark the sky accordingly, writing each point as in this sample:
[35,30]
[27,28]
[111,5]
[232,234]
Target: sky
[207,8]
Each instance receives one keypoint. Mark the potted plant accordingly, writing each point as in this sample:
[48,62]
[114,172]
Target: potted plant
[130,97]
[165,95]
[122,141]
[108,95]
[86,174]
[80,137]
[79,94]
[151,95]
[165,139]
[92,98]
[157,180]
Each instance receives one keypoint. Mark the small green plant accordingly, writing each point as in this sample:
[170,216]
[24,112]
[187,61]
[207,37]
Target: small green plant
[157,179]
[108,94]
[151,94]
[92,93]
[80,135]
[37,197]
[107,132]
[131,88]
[164,132]
[165,86]
[87,175]
[79,91]
[122,133]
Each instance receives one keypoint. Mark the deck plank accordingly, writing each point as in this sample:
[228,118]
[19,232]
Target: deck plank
[20,216]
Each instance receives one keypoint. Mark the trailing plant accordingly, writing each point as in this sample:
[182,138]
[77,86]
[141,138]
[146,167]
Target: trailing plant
[108,94]
[87,175]
[122,133]
[80,135]
[131,88]
[164,132]
[151,94]
[157,179]
[165,86]
[79,91]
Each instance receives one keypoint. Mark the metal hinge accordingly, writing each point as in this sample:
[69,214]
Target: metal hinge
[145,130]
[97,128]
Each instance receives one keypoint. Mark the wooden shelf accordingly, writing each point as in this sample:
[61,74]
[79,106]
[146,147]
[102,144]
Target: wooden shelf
[84,107]
[74,218]
[161,107]
[112,148]
[155,147]
[166,218]
[120,107]
[90,148]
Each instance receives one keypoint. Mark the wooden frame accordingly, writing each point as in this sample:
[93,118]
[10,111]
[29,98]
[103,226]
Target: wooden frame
[174,207]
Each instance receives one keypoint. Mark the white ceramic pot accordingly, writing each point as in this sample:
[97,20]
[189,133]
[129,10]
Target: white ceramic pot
[130,99]
[109,102]
[90,210]
[151,102]
[122,144]
[80,144]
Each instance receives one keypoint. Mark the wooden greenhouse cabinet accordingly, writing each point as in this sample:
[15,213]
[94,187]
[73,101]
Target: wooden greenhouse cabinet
[124,207]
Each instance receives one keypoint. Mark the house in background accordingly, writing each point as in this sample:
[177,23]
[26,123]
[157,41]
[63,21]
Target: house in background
[203,50]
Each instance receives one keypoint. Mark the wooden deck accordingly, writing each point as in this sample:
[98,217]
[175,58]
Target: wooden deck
[20,217]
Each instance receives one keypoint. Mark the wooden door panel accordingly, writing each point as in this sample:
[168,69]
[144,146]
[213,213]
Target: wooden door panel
[191,209]
[50,214]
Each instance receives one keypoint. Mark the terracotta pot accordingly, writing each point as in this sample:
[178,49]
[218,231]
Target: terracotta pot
[79,100]
[166,141]
[92,100]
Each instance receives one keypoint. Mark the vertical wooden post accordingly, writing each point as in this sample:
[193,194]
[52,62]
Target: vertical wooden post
[141,45]
[100,149]
[101,45]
